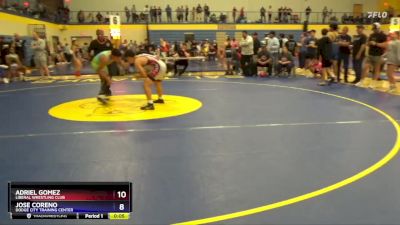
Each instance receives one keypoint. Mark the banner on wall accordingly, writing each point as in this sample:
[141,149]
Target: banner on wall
[394,24]
[115,27]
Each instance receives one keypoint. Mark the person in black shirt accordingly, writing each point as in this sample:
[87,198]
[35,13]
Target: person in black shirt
[291,45]
[256,49]
[312,50]
[359,44]
[377,43]
[325,51]
[19,47]
[308,12]
[262,15]
[181,53]
[344,52]
[99,45]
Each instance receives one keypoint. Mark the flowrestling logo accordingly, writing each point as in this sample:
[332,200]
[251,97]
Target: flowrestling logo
[380,15]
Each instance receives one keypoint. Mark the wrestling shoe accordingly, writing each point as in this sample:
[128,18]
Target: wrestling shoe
[159,101]
[147,107]
[103,99]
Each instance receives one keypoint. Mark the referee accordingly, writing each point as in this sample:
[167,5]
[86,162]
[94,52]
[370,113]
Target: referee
[99,45]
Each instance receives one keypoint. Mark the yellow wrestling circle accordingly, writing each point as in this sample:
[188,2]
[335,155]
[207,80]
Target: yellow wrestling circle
[123,108]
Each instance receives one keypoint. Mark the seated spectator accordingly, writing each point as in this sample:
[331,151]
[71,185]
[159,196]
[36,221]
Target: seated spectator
[264,62]
[222,18]
[181,53]
[285,62]
[107,18]
[15,67]
[213,18]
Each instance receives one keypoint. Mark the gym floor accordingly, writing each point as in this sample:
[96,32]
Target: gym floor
[301,153]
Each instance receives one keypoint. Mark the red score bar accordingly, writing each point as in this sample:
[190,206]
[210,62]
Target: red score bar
[77,195]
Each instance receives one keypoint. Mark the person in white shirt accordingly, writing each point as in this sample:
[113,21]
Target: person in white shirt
[247,52]
[38,47]
[273,47]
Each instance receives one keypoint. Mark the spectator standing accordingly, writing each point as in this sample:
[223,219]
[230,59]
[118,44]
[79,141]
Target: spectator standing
[146,13]
[285,12]
[38,46]
[159,14]
[206,13]
[333,34]
[247,52]
[256,49]
[345,18]
[324,14]
[262,15]
[234,12]
[325,51]
[273,48]
[76,57]
[344,52]
[67,52]
[99,17]
[291,45]
[377,43]
[178,14]
[19,46]
[107,18]
[241,15]
[186,13]
[312,51]
[236,56]
[282,41]
[303,50]
[393,59]
[228,56]
[90,18]
[4,46]
[81,17]
[134,14]
[168,10]
[193,18]
[308,12]
[152,14]
[199,10]
[66,14]
[359,46]
[269,13]
[290,15]
[127,14]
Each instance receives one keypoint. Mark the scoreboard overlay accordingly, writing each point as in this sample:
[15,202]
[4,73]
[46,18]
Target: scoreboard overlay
[70,200]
